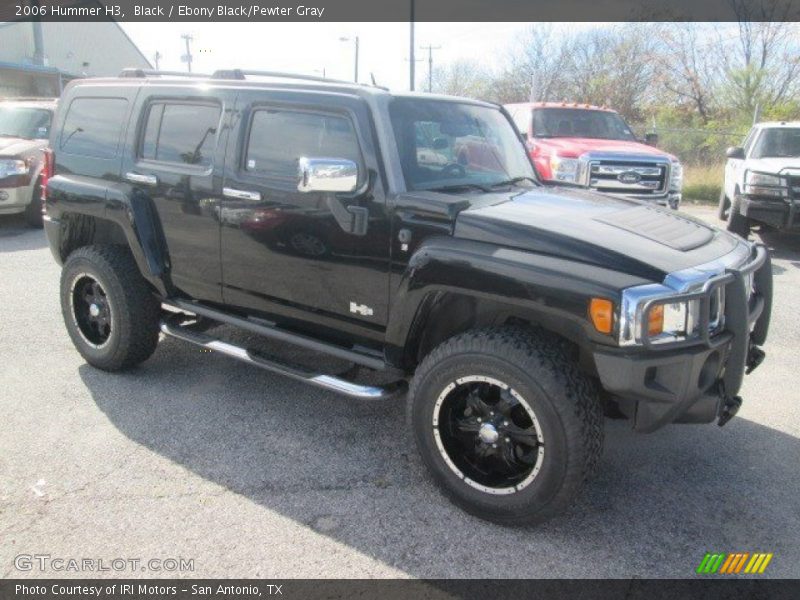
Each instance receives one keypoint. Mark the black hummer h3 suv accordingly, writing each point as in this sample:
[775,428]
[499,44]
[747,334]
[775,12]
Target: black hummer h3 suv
[407,234]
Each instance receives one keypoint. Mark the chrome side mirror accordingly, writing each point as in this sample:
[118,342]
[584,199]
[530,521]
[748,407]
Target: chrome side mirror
[326,175]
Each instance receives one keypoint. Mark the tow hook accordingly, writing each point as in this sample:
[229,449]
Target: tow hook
[730,406]
[754,358]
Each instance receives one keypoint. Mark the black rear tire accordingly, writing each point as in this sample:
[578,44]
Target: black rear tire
[111,314]
[563,441]
[724,206]
[737,222]
[33,212]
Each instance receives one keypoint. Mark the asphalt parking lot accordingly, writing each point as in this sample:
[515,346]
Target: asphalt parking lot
[196,456]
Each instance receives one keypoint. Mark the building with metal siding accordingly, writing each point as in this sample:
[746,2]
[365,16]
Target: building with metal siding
[38,58]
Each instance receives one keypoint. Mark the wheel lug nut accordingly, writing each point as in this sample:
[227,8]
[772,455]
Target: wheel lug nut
[507,440]
[494,445]
[479,420]
[505,423]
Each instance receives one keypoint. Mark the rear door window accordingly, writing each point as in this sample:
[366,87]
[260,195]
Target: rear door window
[278,138]
[93,127]
[183,133]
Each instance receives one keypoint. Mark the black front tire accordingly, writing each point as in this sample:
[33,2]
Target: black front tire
[737,222]
[126,331]
[33,212]
[567,417]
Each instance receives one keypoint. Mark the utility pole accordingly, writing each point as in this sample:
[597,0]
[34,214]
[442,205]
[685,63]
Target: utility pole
[355,40]
[411,60]
[430,50]
[187,58]
[156,58]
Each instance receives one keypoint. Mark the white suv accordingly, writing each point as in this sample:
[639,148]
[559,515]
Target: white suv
[762,179]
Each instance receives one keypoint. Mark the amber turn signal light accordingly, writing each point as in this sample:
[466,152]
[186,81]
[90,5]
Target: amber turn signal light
[601,312]
[655,320]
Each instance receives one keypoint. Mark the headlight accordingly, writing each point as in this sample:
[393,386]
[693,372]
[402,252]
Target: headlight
[676,177]
[765,184]
[13,167]
[673,321]
[648,311]
[564,169]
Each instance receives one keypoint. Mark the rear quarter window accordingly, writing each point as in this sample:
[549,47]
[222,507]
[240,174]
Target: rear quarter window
[93,127]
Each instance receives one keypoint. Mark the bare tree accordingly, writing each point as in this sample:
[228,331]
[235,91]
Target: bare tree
[535,67]
[761,64]
[612,66]
[462,78]
[685,68]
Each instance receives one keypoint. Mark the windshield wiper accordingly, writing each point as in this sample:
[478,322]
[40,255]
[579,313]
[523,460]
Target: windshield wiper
[515,181]
[459,187]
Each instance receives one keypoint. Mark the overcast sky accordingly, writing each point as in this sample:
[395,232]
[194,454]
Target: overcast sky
[311,47]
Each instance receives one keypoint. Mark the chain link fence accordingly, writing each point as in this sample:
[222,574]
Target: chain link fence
[702,153]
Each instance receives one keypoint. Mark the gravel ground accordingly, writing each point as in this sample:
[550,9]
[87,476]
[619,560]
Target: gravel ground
[196,456]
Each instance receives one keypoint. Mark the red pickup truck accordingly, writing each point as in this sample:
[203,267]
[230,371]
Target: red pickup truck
[593,147]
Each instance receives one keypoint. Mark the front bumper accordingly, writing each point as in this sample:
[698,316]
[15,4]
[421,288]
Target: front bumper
[14,200]
[657,385]
[777,213]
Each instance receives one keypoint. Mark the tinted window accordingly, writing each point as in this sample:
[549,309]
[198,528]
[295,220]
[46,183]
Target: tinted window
[181,133]
[445,144]
[570,122]
[31,123]
[93,127]
[778,142]
[278,138]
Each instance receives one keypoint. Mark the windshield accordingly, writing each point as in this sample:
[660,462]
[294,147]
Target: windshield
[581,123]
[448,145]
[29,123]
[778,142]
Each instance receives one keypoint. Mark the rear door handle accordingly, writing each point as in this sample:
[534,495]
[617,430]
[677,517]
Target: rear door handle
[241,194]
[140,178]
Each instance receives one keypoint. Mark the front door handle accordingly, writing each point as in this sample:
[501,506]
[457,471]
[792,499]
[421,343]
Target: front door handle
[241,194]
[141,178]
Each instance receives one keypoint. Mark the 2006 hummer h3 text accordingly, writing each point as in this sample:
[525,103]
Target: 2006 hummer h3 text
[340,218]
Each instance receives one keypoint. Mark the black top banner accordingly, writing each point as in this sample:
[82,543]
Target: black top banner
[401,10]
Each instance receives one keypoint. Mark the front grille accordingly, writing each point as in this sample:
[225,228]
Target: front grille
[794,186]
[627,177]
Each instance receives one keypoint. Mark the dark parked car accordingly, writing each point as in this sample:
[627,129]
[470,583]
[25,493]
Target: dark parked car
[348,220]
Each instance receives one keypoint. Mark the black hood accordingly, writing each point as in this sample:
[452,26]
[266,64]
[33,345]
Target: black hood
[626,235]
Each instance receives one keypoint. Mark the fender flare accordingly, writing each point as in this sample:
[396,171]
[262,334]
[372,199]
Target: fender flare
[550,291]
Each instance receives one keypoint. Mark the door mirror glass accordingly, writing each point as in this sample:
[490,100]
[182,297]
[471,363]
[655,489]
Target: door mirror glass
[326,175]
[735,152]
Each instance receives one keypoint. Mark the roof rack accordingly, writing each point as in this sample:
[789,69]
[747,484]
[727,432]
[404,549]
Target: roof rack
[237,74]
[242,74]
[141,73]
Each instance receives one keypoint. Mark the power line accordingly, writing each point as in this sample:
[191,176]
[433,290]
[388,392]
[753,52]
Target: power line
[430,50]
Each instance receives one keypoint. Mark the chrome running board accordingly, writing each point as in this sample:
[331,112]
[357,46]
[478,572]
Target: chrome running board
[174,329]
